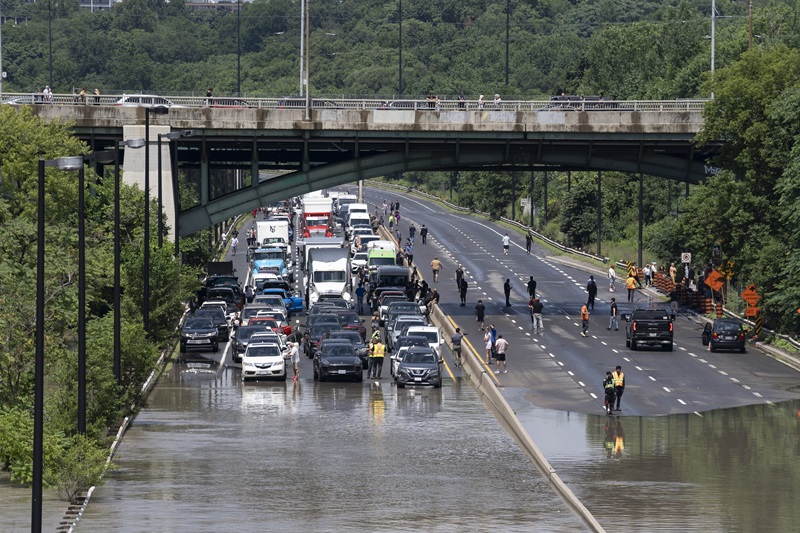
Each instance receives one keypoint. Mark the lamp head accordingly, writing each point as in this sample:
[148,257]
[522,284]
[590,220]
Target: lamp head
[132,143]
[69,163]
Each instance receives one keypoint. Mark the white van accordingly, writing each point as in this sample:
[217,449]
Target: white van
[431,333]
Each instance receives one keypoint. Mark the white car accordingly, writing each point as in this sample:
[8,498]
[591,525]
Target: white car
[358,260]
[271,300]
[263,361]
[272,337]
[432,333]
[145,100]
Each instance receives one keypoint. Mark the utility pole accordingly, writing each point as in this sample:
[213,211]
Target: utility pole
[750,25]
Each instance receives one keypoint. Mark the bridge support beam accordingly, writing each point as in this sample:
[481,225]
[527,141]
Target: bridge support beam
[134,170]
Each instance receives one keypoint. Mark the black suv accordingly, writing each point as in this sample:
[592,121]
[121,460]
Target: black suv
[217,315]
[199,333]
[337,359]
[420,366]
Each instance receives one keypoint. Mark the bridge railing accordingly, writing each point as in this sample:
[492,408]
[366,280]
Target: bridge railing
[361,104]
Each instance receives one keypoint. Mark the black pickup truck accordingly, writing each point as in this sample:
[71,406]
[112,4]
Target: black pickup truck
[649,327]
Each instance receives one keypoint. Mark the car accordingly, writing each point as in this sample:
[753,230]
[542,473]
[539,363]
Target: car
[350,320]
[199,333]
[293,303]
[725,334]
[359,260]
[396,327]
[420,366]
[271,337]
[337,359]
[402,343]
[145,100]
[322,318]
[268,322]
[263,361]
[649,327]
[318,332]
[251,310]
[341,303]
[230,295]
[359,231]
[357,342]
[241,338]
[279,317]
[386,299]
[431,333]
[23,100]
[230,310]
[220,320]
[275,301]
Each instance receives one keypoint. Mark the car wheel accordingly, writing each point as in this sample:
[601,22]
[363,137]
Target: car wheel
[215,347]
[633,344]
[182,348]
[627,342]
[360,377]
[668,347]
[438,385]
[401,385]
[320,377]
[712,348]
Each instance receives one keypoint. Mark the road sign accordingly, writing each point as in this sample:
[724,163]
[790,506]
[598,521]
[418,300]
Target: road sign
[750,295]
[714,280]
[751,311]
[686,257]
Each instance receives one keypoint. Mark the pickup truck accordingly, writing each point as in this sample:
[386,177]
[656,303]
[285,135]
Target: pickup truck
[649,327]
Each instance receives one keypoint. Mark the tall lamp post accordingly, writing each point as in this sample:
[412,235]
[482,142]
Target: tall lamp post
[238,49]
[172,136]
[400,49]
[146,268]
[64,163]
[131,143]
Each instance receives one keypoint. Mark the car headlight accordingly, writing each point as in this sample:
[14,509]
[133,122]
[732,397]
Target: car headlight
[248,365]
[211,334]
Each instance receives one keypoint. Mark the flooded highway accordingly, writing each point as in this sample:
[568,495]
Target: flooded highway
[210,454]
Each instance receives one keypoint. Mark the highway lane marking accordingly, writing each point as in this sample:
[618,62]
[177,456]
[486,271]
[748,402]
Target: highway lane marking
[746,387]
[681,348]
[640,369]
[651,378]
[560,363]
[735,380]
[723,372]
[757,394]
[681,401]
[581,384]
[712,366]
[666,389]
[570,372]
[593,395]
[698,414]
[551,354]
[604,343]
[702,360]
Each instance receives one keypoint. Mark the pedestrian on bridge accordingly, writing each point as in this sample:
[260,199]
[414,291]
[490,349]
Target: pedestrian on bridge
[612,277]
[234,244]
[585,319]
[410,252]
[294,357]
[507,291]
[423,232]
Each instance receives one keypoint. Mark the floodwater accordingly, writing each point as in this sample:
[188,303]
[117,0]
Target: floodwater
[211,454]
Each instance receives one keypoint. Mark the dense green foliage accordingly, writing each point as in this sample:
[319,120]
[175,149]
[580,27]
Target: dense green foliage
[23,139]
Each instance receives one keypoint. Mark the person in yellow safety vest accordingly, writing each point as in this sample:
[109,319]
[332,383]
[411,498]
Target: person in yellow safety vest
[630,284]
[376,359]
[619,384]
[608,387]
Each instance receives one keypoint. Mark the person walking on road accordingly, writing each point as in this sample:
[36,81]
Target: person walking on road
[528,242]
[480,313]
[619,385]
[487,339]
[506,243]
[591,288]
[500,348]
[360,292]
[612,277]
[532,288]
[234,244]
[537,307]
[423,232]
[459,276]
[456,340]
[585,319]
[376,358]
[410,252]
[412,232]
[507,291]
[612,321]
[630,284]
[436,266]
[462,289]
[294,357]
[608,388]
[492,337]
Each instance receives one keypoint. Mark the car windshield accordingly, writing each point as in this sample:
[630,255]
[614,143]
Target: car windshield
[263,351]
[412,341]
[273,254]
[210,312]
[338,350]
[198,323]
[268,322]
[418,357]
[249,312]
[352,336]
[348,318]
[329,276]
[386,280]
[245,332]
[322,329]
[412,309]
[431,336]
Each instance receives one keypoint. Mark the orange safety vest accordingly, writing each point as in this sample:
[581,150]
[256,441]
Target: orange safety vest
[630,283]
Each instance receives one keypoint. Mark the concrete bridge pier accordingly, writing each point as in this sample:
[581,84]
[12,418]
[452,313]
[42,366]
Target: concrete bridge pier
[134,171]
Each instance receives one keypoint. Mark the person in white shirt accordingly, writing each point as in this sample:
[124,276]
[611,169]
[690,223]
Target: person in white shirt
[506,244]
[612,276]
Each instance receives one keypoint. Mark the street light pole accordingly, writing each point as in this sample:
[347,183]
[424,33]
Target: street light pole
[713,37]
[302,43]
[238,49]
[50,37]
[308,46]
[81,303]
[400,47]
[64,163]
[146,266]
[508,22]
[172,136]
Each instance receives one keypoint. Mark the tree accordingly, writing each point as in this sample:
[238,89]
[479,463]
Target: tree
[579,215]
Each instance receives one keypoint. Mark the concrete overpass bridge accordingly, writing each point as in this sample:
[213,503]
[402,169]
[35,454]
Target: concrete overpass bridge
[305,146]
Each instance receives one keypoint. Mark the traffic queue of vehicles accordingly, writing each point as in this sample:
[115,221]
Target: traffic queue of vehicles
[336,242]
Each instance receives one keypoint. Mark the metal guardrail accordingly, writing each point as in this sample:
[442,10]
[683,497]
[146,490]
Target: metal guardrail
[359,104]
